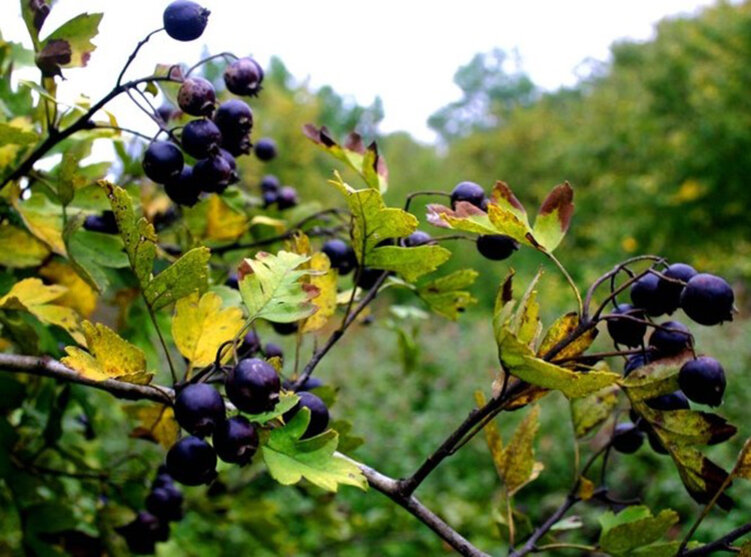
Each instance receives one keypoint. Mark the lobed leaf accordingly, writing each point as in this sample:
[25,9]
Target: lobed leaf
[655,379]
[69,46]
[446,295]
[19,249]
[590,411]
[560,330]
[187,274]
[325,280]
[156,423]
[410,263]
[632,528]
[519,466]
[554,217]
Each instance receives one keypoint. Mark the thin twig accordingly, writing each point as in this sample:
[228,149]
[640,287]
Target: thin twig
[722,544]
[560,512]
[134,54]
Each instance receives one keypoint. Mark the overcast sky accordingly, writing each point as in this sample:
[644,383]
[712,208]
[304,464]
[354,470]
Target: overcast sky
[405,51]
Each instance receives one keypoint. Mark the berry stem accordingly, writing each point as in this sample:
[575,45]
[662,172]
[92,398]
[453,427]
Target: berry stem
[134,54]
[568,278]
[200,63]
[411,196]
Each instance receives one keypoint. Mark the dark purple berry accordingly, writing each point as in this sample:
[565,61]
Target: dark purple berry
[308,385]
[196,97]
[624,330]
[213,174]
[655,443]
[703,380]
[234,118]
[340,254]
[192,461]
[287,197]
[244,77]
[265,149]
[106,223]
[251,344]
[237,146]
[469,192]
[627,438]
[635,361]
[496,247]
[368,277]
[143,532]
[670,338]
[165,113]
[184,190]
[272,350]
[672,401]
[270,183]
[199,409]
[285,328]
[671,291]
[319,414]
[269,198]
[201,138]
[165,502]
[185,20]
[253,386]
[645,295]
[163,161]
[236,441]
[417,238]
[708,299]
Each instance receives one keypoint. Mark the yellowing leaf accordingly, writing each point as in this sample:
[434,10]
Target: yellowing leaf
[33,296]
[20,249]
[200,327]
[187,274]
[506,222]
[156,423]
[554,217]
[222,222]
[743,464]
[586,489]
[466,217]
[559,331]
[79,295]
[655,379]
[410,263]
[526,321]
[590,411]
[44,220]
[519,466]
[325,281]
[277,224]
[109,357]
[493,438]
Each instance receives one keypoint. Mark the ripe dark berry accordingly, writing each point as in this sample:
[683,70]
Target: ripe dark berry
[104,223]
[165,113]
[368,277]
[236,441]
[469,192]
[232,281]
[645,295]
[627,438]
[635,361]
[703,380]
[708,299]
[285,328]
[165,502]
[319,414]
[196,97]
[656,444]
[253,386]
[272,350]
[213,174]
[201,138]
[265,149]
[243,77]
[625,331]
[417,238]
[251,344]
[237,145]
[496,247]
[163,161]
[672,401]
[234,118]
[308,385]
[143,532]
[184,190]
[671,338]
[191,461]
[287,197]
[341,255]
[270,183]
[671,291]
[199,409]
[184,20]
[269,198]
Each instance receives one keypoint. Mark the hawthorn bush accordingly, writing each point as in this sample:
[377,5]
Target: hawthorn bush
[153,285]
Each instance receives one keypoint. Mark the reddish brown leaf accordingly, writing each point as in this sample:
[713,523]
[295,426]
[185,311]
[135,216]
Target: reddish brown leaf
[560,199]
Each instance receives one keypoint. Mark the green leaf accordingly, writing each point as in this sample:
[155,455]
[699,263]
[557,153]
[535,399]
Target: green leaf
[633,527]
[271,289]
[188,274]
[446,295]
[12,135]
[290,459]
[69,178]
[347,441]
[410,263]
[590,411]
[554,218]
[287,401]
[69,46]
[518,461]
[366,161]
[655,379]
[519,360]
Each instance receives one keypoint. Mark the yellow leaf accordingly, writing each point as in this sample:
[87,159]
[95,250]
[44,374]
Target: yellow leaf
[109,357]
[222,222]
[560,330]
[519,466]
[156,423]
[323,278]
[299,243]
[18,248]
[200,326]
[79,296]
[277,224]
[743,465]
[8,153]
[493,437]
[33,296]
[44,219]
[586,489]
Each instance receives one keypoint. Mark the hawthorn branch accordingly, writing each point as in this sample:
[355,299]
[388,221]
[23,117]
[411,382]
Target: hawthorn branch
[531,544]
[722,544]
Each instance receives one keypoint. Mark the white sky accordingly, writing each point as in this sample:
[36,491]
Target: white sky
[405,51]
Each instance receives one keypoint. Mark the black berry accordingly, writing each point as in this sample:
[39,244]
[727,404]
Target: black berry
[627,438]
[213,174]
[236,441]
[417,238]
[670,338]
[319,414]
[165,502]
[196,97]
[143,532]
[184,190]
[671,291]
[496,247]
[192,461]
[469,192]
[184,20]
[287,197]
[234,118]
[703,380]
[341,255]
[708,299]
[251,343]
[272,350]
[265,149]
[655,443]
[270,183]
[635,361]
[368,277]
[237,145]
[625,331]
[285,328]
[308,385]
[269,198]
[243,77]
[163,161]
[645,295]
[106,223]
[201,138]
[199,409]
[672,401]
[253,386]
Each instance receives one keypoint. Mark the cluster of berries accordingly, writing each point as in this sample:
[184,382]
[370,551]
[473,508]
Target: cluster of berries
[285,197]
[164,504]
[706,299]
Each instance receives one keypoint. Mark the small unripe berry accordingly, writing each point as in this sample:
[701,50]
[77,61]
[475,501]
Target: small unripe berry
[192,461]
[201,138]
[496,247]
[319,414]
[243,77]
[236,441]
[708,299]
[163,161]
[253,386]
[199,409]
[703,380]
[185,20]
[196,97]
[469,192]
